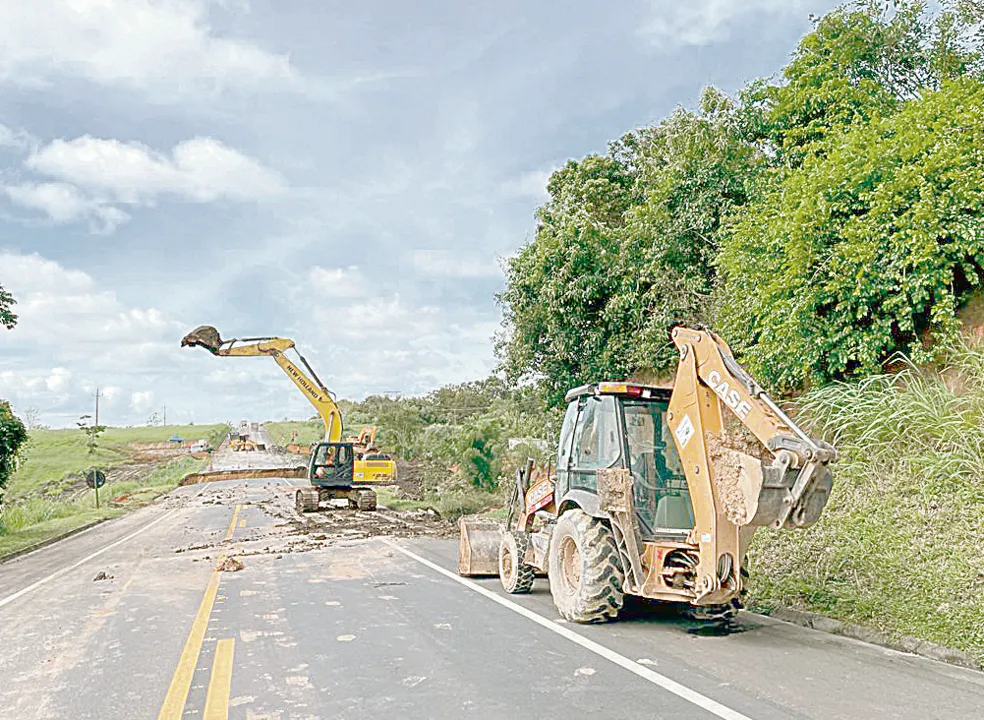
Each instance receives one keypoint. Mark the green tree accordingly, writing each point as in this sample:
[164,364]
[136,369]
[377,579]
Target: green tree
[867,249]
[560,284]
[91,432]
[625,246]
[13,436]
[861,62]
[7,302]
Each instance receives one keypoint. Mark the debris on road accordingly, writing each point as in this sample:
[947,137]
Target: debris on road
[230,565]
[101,575]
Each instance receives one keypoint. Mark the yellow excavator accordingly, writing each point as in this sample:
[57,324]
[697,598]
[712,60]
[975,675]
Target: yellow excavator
[337,468]
[656,492]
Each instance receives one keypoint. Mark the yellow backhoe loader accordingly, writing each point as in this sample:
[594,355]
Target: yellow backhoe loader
[656,492]
[336,467]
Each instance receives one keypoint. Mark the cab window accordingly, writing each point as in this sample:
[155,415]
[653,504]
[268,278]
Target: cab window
[596,442]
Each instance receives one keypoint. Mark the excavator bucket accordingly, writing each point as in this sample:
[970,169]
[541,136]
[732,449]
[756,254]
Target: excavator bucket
[478,547]
[205,336]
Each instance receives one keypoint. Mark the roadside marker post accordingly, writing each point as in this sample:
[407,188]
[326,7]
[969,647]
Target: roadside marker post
[95,479]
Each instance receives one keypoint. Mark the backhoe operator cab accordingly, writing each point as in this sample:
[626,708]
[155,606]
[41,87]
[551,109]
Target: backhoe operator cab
[623,426]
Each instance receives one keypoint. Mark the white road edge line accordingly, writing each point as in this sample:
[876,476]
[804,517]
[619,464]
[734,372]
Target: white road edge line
[681,691]
[58,573]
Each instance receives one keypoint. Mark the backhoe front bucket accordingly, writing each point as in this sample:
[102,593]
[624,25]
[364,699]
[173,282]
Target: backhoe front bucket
[478,547]
[205,336]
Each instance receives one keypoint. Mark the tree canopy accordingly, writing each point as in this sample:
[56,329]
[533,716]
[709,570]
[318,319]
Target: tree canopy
[822,220]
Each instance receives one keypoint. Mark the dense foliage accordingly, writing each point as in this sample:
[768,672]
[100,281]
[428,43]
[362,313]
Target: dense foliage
[822,221]
[13,435]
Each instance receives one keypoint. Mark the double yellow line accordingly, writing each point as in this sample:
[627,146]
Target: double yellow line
[219,686]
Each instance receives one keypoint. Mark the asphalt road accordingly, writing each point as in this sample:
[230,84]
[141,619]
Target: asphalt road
[339,616]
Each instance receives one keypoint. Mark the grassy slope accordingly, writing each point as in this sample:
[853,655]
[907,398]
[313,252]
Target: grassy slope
[900,546]
[37,505]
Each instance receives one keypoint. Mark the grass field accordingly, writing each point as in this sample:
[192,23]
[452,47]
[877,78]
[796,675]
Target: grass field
[43,498]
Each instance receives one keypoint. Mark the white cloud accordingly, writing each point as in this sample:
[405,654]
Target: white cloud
[66,310]
[94,176]
[698,22]
[11,138]
[349,282]
[164,47]
[65,203]
[200,169]
[58,379]
[443,264]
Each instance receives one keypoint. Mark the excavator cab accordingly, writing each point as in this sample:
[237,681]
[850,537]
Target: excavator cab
[332,465]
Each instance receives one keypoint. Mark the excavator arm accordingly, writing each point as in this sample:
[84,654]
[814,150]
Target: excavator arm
[737,485]
[308,382]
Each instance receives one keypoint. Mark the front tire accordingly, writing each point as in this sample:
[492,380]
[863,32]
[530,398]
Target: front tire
[514,574]
[584,569]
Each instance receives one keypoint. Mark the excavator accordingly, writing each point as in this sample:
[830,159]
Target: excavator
[337,468]
[656,492]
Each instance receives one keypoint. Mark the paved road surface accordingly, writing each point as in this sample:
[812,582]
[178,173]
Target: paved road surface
[324,622]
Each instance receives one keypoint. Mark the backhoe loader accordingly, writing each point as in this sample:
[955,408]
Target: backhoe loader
[336,467]
[656,492]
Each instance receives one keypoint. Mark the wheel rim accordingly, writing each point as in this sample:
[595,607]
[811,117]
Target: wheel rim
[570,565]
[507,563]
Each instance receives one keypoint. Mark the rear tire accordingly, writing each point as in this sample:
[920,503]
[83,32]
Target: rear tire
[514,574]
[584,569]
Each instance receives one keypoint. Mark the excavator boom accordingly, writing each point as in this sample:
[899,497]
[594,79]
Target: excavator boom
[308,382]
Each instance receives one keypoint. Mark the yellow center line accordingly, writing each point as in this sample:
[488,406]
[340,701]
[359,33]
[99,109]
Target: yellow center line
[177,692]
[232,523]
[220,686]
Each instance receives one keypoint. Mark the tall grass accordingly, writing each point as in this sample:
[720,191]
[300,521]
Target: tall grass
[900,546]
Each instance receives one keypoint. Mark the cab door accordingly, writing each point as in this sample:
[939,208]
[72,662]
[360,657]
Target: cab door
[597,442]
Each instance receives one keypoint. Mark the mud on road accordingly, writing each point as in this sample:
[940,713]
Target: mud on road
[289,532]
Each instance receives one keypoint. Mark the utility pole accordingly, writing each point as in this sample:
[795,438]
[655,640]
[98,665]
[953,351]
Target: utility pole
[98,395]
[165,414]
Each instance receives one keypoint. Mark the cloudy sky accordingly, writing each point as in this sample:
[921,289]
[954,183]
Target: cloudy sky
[346,174]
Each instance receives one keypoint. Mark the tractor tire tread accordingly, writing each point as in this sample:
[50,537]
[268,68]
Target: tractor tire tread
[600,596]
[524,574]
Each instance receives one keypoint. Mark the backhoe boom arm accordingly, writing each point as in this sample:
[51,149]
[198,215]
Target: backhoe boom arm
[735,489]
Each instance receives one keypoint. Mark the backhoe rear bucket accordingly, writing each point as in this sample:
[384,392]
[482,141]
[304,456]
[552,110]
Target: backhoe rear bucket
[478,547]
[205,336]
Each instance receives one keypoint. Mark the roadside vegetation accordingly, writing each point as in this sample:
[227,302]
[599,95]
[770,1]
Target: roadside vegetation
[47,496]
[900,546]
